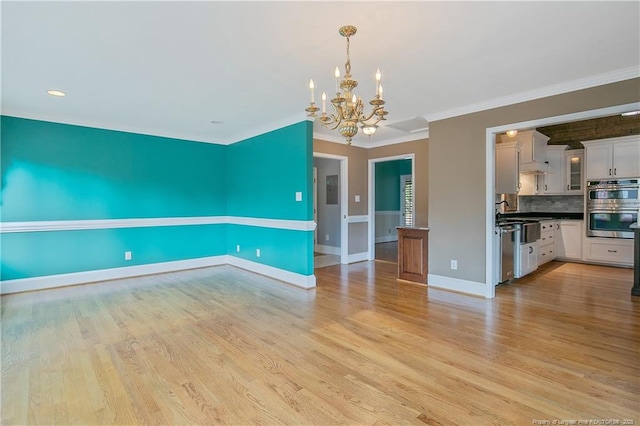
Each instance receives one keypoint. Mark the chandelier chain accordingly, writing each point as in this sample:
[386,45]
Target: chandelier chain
[347,65]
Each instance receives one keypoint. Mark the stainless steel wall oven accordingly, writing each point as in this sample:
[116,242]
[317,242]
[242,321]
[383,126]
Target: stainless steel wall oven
[612,206]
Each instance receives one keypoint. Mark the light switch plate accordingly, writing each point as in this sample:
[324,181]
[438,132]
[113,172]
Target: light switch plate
[357,198]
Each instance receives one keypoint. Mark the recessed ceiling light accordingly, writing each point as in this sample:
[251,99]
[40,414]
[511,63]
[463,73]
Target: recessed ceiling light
[56,93]
[626,114]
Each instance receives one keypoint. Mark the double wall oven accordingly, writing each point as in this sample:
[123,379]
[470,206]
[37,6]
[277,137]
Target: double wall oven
[612,206]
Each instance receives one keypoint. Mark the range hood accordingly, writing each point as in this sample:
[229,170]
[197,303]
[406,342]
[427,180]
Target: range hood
[535,168]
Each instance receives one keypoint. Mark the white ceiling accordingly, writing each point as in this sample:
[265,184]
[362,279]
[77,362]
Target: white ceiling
[170,68]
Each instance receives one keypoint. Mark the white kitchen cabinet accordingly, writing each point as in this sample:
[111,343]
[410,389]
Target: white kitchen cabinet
[613,158]
[574,168]
[528,258]
[569,235]
[507,168]
[610,251]
[547,241]
[533,148]
[554,182]
[529,185]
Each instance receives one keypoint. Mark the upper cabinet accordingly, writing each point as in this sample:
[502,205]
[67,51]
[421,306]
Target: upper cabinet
[507,168]
[574,167]
[613,158]
[555,180]
[533,150]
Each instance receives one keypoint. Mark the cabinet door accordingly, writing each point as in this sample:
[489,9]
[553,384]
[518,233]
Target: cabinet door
[598,162]
[528,185]
[574,165]
[626,159]
[507,170]
[569,239]
[554,182]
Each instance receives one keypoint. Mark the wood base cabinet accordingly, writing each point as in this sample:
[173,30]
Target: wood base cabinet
[413,254]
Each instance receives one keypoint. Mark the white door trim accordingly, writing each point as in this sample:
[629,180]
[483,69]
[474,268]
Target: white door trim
[344,203]
[490,191]
[372,191]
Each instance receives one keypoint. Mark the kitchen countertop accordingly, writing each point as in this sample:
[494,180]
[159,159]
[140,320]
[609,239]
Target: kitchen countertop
[551,215]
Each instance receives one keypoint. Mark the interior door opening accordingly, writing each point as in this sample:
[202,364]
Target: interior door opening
[391,197]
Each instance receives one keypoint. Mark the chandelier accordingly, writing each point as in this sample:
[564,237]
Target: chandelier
[348,109]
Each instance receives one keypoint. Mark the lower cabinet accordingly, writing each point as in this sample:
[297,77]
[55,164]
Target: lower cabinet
[608,250]
[528,259]
[569,235]
[413,254]
[547,241]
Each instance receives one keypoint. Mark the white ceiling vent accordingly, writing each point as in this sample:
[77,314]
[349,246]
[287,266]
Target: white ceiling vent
[412,125]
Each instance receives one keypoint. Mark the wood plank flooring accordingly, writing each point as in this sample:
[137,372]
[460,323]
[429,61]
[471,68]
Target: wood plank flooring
[224,346]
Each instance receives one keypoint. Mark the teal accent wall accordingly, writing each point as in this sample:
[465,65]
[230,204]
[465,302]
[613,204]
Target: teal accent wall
[265,172]
[61,172]
[33,254]
[387,175]
[58,172]
[280,248]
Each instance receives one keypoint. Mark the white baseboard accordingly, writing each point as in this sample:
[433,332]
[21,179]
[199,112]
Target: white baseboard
[61,280]
[457,284]
[386,239]
[75,278]
[358,257]
[319,248]
[299,280]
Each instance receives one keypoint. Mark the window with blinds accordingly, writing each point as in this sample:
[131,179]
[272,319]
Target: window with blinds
[407,200]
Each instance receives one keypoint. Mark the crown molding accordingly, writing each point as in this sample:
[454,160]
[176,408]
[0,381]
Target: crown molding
[556,89]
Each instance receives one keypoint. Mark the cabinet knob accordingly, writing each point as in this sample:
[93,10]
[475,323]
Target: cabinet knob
[615,171]
[612,251]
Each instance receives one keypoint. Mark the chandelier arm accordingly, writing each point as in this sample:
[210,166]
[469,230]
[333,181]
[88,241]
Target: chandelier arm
[364,119]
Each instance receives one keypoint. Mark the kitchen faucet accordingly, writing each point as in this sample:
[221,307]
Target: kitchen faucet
[506,203]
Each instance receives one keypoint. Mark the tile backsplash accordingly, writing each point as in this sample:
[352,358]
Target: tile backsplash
[551,203]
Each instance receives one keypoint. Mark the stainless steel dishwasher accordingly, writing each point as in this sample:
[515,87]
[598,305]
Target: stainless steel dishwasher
[509,242]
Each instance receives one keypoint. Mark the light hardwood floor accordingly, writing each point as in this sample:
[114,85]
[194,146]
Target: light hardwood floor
[224,346]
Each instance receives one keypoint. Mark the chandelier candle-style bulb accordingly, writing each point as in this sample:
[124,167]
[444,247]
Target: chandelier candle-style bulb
[349,115]
[312,86]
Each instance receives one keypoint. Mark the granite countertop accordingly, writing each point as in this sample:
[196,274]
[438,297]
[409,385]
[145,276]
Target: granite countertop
[634,225]
[421,228]
[552,215]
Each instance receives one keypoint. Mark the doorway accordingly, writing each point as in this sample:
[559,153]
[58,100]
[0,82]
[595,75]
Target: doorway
[330,209]
[391,203]
[491,248]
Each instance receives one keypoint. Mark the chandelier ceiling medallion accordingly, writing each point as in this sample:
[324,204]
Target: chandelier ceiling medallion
[349,108]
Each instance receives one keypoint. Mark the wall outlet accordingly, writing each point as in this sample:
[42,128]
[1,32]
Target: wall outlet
[326,237]
[357,198]
[127,255]
[298,196]
[257,252]
[389,230]
[454,264]
[238,248]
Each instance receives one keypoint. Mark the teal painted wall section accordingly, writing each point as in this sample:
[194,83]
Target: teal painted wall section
[280,248]
[266,171]
[388,183]
[61,172]
[34,254]
[57,172]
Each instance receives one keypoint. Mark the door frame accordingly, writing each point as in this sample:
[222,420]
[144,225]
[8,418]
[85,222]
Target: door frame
[490,187]
[371,254]
[344,201]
